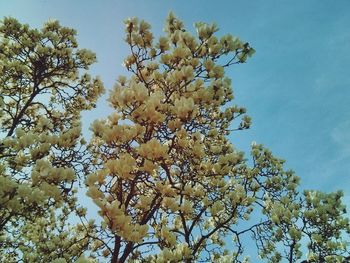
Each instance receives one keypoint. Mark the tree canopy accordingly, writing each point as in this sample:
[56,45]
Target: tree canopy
[44,87]
[169,184]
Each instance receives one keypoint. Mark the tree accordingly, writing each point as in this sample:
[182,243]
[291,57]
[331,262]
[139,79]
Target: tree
[171,187]
[168,183]
[44,87]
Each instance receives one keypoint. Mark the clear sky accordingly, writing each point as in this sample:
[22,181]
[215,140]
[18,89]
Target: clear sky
[296,87]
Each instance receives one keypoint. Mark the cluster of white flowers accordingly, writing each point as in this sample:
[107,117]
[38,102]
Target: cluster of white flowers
[153,150]
[121,224]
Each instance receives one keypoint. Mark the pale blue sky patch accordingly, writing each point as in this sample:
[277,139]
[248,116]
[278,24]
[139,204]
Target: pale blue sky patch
[341,136]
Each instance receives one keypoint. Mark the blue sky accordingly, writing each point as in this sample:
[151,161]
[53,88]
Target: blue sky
[296,87]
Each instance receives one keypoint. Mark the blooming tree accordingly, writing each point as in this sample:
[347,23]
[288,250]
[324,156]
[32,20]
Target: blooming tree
[171,187]
[43,90]
[168,183]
